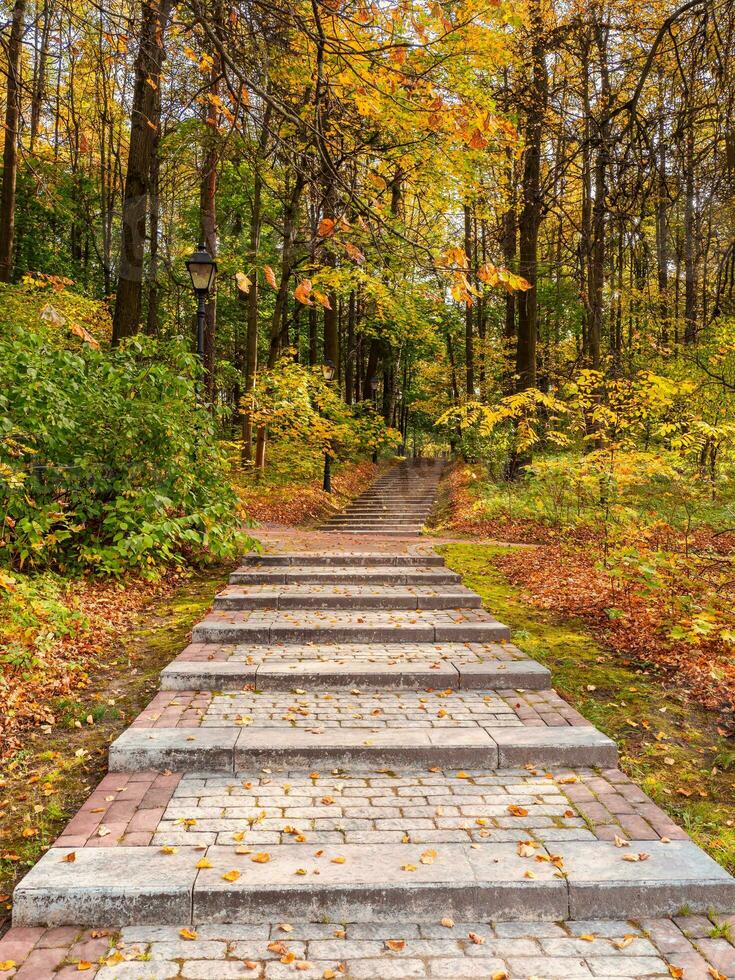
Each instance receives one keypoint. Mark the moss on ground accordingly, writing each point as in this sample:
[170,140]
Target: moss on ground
[671,747]
[46,782]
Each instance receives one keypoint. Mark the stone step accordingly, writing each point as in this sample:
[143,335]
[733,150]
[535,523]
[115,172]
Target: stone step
[314,674]
[467,666]
[143,885]
[377,519]
[229,748]
[194,730]
[376,532]
[342,558]
[347,575]
[369,626]
[310,596]
[374,528]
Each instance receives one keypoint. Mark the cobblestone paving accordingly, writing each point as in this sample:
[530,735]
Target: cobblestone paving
[361,806]
[371,710]
[625,950]
[346,653]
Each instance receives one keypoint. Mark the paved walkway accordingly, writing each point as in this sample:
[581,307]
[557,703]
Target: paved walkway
[352,772]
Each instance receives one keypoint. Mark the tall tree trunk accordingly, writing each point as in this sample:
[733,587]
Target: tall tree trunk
[599,207]
[251,345]
[39,74]
[469,345]
[144,121]
[152,314]
[208,219]
[10,150]
[530,217]
[690,267]
[662,238]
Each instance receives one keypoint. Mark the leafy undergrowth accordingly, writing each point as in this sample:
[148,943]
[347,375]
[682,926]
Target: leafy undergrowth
[646,593]
[45,778]
[461,510]
[290,491]
[52,633]
[669,744]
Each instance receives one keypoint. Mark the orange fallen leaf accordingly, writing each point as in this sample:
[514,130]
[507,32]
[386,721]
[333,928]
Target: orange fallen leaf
[262,857]
[477,940]
[231,875]
[188,934]
[396,944]
[517,811]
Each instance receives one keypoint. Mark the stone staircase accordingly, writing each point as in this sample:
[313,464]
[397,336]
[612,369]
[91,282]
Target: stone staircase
[351,739]
[395,505]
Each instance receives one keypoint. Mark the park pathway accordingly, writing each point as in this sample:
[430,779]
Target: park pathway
[351,772]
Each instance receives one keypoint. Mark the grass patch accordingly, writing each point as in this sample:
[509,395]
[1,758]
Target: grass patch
[45,782]
[670,746]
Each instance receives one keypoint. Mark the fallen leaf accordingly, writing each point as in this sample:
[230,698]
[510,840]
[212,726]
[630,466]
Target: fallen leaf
[428,856]
[477,940]
[408,867]
[447,923]
[204,863]
[517,811]
[262,857]
[83,965]
[188,934]
[70,858]
[231,875]
[396,944]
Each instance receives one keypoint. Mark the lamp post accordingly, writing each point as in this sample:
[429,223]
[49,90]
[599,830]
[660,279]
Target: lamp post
[373,383]
[202,269]
[328,370]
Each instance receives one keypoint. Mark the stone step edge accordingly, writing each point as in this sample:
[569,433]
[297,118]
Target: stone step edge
[342,576]
[214,632]
[234,748]
[366,560]
[145,886]
[199,675]
[403,601]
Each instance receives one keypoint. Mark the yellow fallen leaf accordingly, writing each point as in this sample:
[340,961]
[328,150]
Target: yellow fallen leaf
[188,934]
[231,875]
[204,863]
[167,849]
[6,965]
[408,867]
[329,974]
[447,923]
[529,874]
[338,860]
[588,937]
[500,975]
[83,965]
[428,856]
[262,857]
[300,871]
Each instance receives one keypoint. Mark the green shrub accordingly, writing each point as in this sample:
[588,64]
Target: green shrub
[107,462]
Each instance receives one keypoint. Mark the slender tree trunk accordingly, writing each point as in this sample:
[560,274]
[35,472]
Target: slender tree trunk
[662,242]
[10,150]
[469,346]
[530,217]
[144,122]
[208,219]
[39,74]
[251,344]
[690,268]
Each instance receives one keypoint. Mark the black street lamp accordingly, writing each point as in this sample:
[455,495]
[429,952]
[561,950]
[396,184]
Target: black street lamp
[328,370]
[202,269]
[373,383]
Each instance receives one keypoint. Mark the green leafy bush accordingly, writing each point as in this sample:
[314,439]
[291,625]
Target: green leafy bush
[107,463]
